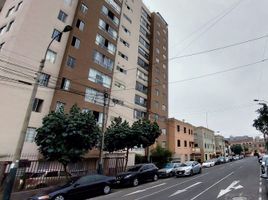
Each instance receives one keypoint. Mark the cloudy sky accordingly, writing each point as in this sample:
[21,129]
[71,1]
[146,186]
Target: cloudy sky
[223,102]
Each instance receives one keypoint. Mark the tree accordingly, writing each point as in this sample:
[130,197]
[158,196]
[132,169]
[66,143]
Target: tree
[236,148]
[119,136]
[67,137]
[160,155]
[261,123]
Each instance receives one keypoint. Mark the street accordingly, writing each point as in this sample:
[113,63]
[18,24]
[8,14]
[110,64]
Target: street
[228,181]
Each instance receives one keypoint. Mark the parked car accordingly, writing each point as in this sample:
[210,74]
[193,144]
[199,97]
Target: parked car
[79,188]
[137,174]
[168,170]
[46,178]
[188,169]
[264,174]
[222,159]
[208,163]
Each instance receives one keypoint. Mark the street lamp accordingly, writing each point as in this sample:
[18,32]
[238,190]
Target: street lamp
[15,163]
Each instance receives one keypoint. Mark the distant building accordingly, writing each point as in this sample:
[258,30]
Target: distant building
[204,139]
[259,145]
[220,145]
[180,139]
[245,141]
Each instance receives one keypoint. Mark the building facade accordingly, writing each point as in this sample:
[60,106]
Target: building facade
[219,145]
[180,140]
[117,51]
[246,142]
[204,139]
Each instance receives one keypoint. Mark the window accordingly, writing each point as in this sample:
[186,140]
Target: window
[156,104]
[102,60]
[138,114]
[56,34]
[126,30]
[164,57]
[189,132]
[143,53]
[62,16]
[128,7]
[100,78]
[144,43]
[80,24]
[10,25]
[59,106]
[141,75]
[164,131]
[145,33]
[110,15]
[37,105]
[145,23]
[121,70]
[157,70]
[44,79]
[71,61]
[140,101]
[164,144]
[157,81]
[114,5]
[107,28]
[122,55]
[126,44]
[18,6]
[145,14]
[2,29]
[143,64]
[65,84]
[51,56]
[83,8]
[106,44]
[94,96]
[178,128]
[127,18]
[30,135]
[178,143]
[164,107]
[184,130]
[10,11]
[157,92]
[157,50]
[119,85]
[75,42]
[164,48]
[185,143]
[142,88]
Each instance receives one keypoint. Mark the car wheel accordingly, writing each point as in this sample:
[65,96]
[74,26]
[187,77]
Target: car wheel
[59,197]
[106,189]
[200,171]
[155,177]
[191,173]
[135,182]
[171,174]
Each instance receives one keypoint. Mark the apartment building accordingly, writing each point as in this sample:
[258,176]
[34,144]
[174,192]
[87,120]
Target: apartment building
[26,28]
[204,139]
[220,145]
[180,140]
[117,50]
[246,142]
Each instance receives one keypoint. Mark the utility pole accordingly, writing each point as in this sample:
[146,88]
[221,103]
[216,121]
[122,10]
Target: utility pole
[100,165]
[9,182]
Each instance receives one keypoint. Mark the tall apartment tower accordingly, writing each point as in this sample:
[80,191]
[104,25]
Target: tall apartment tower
[116,47]
[26,28]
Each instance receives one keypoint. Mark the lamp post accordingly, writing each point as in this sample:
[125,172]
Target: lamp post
[15,163]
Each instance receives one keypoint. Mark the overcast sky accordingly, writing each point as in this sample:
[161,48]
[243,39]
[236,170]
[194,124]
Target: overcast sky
[227,98]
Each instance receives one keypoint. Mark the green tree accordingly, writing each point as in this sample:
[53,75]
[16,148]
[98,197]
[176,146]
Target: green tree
[67,137]
[261,123]
[119,136]
[160,155]
[236,148]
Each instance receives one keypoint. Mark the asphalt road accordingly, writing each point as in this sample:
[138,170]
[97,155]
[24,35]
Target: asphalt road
[238,180]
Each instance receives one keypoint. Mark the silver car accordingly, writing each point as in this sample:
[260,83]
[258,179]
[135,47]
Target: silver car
[168,170]
[188,169]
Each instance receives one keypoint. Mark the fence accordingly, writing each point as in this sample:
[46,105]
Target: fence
[33,174]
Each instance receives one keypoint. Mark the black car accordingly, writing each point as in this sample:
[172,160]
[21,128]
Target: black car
[137,174]
[79,188]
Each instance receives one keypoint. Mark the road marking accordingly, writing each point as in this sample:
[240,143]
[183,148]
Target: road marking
[167,188]
[260,190]
[212,186]
[139,191]
[230,188]
[184,190]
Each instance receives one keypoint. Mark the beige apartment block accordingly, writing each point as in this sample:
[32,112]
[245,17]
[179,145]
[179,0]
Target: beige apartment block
[204,139]
[180,140]
[26,28]
[220,145]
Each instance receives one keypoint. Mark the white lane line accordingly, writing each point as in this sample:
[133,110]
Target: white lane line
[212,186]
[145,189]
[260,190]
[260,198]
[184,190]
[167,188]
[260,183]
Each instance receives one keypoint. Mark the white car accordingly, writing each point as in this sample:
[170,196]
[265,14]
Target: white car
[208,163]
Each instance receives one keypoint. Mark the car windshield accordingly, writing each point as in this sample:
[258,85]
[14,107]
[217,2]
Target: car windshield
[134,169]
[35,175]
[169,165]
